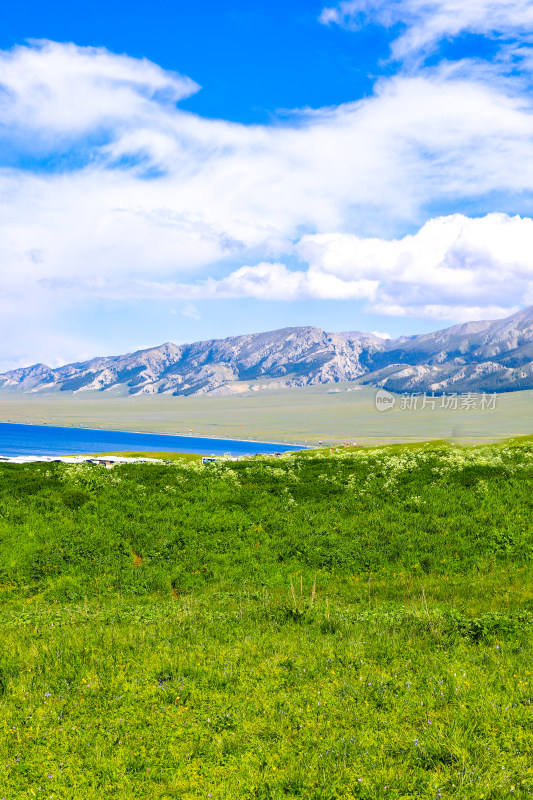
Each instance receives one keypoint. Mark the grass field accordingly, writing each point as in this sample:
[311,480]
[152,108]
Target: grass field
[307,414]
[346,625]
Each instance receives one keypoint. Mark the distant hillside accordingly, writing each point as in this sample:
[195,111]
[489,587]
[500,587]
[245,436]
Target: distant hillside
[287,357]
[488,356]
[476,356]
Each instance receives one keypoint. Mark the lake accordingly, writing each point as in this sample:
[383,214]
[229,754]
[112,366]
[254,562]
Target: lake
[49,440]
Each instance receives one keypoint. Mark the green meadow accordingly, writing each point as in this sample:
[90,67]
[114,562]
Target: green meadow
[328,413]
[355,624]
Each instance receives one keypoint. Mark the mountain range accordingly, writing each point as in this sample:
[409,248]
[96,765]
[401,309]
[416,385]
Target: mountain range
[490,355]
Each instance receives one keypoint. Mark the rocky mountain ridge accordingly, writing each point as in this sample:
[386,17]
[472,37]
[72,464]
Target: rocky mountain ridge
[487,355]
[475,356]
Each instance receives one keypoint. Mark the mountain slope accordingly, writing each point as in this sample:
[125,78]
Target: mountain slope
[289,357]
[475,356]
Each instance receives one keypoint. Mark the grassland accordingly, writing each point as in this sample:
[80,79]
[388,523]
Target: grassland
[346,625]
[307,414]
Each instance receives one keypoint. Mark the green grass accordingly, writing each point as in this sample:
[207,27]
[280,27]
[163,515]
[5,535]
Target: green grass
[347,625]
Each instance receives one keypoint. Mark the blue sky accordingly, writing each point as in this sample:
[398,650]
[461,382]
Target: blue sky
[252,59]
[180,171]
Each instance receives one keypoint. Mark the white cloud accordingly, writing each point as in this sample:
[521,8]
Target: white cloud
[151,201]
[190,311]
[265,281]
[275,282]
[63,90]
[453,268]
[170,191]
[425,23]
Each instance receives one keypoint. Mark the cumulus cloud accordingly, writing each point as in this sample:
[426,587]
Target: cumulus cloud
[275,282]
[453,268]
[425,23]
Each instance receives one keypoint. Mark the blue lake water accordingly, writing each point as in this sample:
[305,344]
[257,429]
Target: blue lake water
[48,440]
